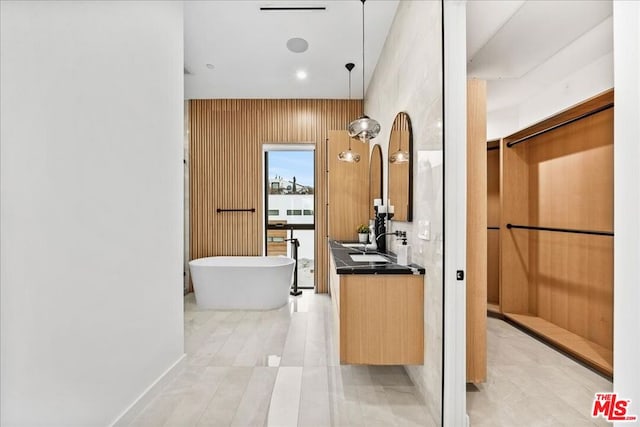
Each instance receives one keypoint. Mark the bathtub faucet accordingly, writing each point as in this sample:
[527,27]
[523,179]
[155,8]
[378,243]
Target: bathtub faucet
[294,241]
[294,251]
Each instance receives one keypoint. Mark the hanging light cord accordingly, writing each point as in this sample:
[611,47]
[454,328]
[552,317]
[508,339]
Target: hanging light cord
[349,67]
[349,96]
[349,84]
[363,50]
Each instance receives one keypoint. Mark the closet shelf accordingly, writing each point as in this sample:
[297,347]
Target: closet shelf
[561,230]
[581,348]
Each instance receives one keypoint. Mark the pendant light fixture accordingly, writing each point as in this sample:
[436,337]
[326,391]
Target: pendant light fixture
[364,128]
[400,156]
[349,156]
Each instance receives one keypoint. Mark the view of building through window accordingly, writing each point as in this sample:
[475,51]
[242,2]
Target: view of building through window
[290,208]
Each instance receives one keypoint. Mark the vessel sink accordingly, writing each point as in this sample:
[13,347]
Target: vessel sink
[368,258]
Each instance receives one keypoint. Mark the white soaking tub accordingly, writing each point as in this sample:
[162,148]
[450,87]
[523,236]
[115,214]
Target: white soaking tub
[242,282]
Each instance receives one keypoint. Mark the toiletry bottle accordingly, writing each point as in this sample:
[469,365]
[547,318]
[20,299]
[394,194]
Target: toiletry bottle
[404,253]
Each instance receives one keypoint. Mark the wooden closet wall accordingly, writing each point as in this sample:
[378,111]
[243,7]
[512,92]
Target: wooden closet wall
[476,279]
[559,284]
[493,226]
[226,138]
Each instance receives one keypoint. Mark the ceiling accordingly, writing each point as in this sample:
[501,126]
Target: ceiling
[521,46]
[247,48]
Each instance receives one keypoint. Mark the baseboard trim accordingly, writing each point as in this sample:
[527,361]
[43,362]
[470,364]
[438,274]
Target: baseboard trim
[127,416]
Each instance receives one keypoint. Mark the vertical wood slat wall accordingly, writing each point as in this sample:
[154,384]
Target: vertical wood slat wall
[226,168]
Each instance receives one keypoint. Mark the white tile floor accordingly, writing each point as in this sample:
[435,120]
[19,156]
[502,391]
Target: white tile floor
[531,384]
[281,368]
[278,368]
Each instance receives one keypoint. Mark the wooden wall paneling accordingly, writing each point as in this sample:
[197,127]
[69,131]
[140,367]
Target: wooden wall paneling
[575,284]
[574,112]
[574,170]
[476,279]
[566,176]
[514,244]
[493,185]
[493,222]
[573,167]
[520,205]
[493,269]
[599,293]
[226,168]
[375,178]
[348,188]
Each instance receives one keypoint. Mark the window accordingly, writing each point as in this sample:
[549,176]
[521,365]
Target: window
[289,204]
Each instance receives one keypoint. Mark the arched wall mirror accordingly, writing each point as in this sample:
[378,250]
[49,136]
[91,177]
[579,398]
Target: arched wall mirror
[401,168]
[375,178]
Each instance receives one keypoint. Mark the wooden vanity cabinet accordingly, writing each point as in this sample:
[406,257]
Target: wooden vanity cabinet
[380,317]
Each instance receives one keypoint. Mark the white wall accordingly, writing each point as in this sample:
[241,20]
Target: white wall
[455,211]
[91,184]
[408,78]
[626,338]
[514,104]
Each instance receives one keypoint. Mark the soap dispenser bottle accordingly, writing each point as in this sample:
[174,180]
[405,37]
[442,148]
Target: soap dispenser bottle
[404,253]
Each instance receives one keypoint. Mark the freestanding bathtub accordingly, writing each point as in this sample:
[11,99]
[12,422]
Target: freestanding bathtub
[242,282]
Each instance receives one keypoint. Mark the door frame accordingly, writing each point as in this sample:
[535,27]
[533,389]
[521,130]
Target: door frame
[454,48]
[286,146]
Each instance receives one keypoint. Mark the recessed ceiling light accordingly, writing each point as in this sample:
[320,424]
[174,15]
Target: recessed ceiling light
[301,74]
[210,66]
[297,45]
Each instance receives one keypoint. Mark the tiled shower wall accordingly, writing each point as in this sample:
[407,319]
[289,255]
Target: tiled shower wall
[408,78]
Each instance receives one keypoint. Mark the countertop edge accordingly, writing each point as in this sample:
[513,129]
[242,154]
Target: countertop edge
[344,265]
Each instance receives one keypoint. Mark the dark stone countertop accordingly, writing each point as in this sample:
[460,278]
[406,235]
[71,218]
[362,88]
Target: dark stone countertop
[345,265]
